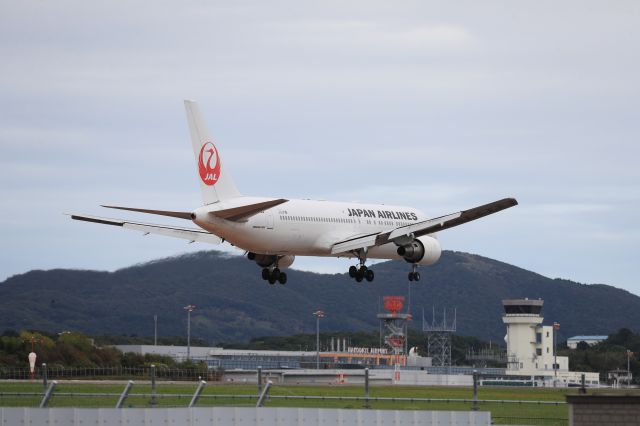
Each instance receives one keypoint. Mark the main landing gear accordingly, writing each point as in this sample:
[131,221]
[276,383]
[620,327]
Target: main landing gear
[274,275]
[361,273]
[414,275]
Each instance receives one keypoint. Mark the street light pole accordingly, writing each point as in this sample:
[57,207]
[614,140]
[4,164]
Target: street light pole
[629,354]
[155,330]
[318,314]
[189,309]
[556,327]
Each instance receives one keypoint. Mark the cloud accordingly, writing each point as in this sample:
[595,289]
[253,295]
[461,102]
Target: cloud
[568,208]
[427,104]
[373,37]
[629,236]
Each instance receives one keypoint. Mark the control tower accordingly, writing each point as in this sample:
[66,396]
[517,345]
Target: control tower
[522,318]
[530,345]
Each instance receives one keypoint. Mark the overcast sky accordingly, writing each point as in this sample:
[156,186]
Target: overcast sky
[437,105]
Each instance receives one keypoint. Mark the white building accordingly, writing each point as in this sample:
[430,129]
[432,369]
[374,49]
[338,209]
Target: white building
[572,342]
[531,348]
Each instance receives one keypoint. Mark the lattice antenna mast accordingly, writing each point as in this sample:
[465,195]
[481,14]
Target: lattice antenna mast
[439,337]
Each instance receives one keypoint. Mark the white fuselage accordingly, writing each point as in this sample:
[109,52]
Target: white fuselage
[306,227]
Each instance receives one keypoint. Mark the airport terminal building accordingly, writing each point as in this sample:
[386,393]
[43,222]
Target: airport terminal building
[530,359]
[234,359]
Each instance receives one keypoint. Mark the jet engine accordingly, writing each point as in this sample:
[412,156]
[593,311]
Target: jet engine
[422,250]
[267,260]
[286,261]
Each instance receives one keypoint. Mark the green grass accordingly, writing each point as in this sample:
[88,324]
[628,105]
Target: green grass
[508,411]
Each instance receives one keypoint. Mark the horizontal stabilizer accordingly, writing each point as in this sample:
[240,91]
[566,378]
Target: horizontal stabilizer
[243,212]
[148,228]
[180,215]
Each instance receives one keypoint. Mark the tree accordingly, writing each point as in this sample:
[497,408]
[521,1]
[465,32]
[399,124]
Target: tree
[582,346]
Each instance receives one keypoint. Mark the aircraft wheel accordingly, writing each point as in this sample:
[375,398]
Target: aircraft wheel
[282,279]
[353,271]
[272,280]
[359,276]
[369,275]
[410,276]
[265,273]
[416,276]
[363,268]
[275,273]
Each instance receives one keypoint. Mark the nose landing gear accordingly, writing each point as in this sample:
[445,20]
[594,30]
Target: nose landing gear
[414,275]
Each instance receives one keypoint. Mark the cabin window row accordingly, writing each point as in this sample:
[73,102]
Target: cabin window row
[316,219]
[335,220]
[390,223]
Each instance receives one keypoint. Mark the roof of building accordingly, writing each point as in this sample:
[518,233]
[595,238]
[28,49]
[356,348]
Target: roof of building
[525,302]
[580,338]
[201,351]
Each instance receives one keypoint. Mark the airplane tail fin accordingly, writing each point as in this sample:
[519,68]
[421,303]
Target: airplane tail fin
[215,182]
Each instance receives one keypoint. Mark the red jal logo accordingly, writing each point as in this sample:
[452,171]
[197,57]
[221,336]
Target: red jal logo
[209,173]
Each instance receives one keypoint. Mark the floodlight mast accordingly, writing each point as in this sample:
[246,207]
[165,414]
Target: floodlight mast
[189,309]
[318,314]
[556,327]
[629,355]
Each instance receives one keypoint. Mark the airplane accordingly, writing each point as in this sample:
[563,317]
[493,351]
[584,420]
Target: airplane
[273,231]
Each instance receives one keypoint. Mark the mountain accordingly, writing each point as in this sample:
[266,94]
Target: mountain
[234,304]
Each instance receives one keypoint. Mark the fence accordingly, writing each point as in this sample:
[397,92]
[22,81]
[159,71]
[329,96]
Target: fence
[164,400]
[165,395]
[174,374]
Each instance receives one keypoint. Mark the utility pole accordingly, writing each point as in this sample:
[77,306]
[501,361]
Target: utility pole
[189,309]
[318,314]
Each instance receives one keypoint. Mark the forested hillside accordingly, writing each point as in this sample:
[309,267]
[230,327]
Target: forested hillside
[234,304]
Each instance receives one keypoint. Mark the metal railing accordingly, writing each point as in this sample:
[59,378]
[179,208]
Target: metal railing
[353,402]
[363,399]
[53,373]
[525,409]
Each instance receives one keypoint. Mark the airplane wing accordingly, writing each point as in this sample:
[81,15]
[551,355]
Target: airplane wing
[421,228]
[190,234]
